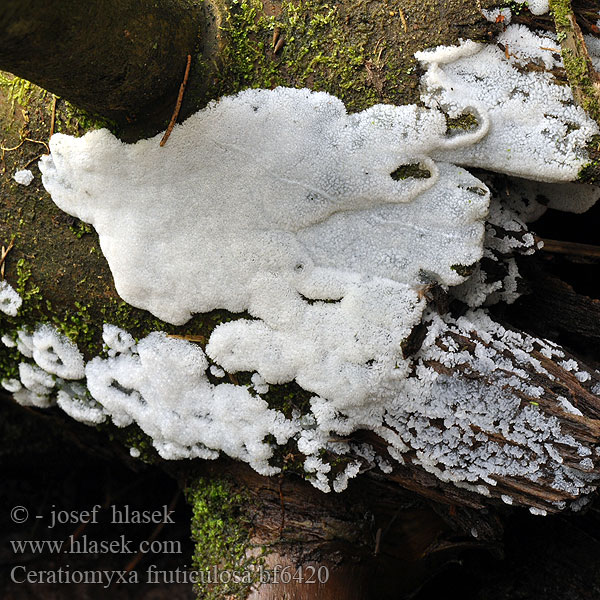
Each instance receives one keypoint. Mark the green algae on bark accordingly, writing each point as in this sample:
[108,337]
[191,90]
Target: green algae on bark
[226,563]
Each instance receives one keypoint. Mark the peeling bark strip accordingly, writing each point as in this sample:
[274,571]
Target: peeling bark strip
[111,57]
[584,80]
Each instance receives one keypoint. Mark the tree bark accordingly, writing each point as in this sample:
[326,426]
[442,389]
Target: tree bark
[116,58]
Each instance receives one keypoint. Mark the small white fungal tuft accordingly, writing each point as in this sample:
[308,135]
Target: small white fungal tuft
[10,301]
[23,177]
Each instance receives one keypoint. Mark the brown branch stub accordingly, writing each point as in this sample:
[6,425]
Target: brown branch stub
[276,34]
[570,248]
[189,338]
[179,100]
[583,78]
[279,45]
[403,19]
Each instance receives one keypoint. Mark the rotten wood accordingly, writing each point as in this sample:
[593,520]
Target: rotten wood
[553,308]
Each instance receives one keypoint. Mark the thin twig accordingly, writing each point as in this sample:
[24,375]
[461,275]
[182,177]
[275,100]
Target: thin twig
[14,147]
[38,142]
[377,541]
[33,160]
[3,256]
[179,100]
[53,117]
[23,140]
[403,19]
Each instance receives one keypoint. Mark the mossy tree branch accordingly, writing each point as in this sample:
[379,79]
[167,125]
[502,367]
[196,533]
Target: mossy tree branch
[117,58]
[583,78]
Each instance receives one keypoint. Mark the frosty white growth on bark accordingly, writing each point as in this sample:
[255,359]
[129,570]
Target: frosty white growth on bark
[279,203]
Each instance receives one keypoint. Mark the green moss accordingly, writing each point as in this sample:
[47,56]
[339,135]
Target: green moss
[412,170]
[134,437]
[590,173]
[221,526]
[9,361]
[580,76]
[69,118]
[245,60]
[561,11]
[464,122]
[578,66]
[73,118]
[319,51]
[77,325]
[80,228]
[28,290]
[19,91]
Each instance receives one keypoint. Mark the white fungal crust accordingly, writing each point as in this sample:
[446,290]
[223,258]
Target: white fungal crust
[10,301]
[74,399]
[43,384]
[279,203]
[465,431]
[538,7]
[35,379]
[496,278]
[535,130]
[24,177]
[117,341]
[531,199]
[269,181]
[342,350]
[56,354]
[488,432]
[162,386]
